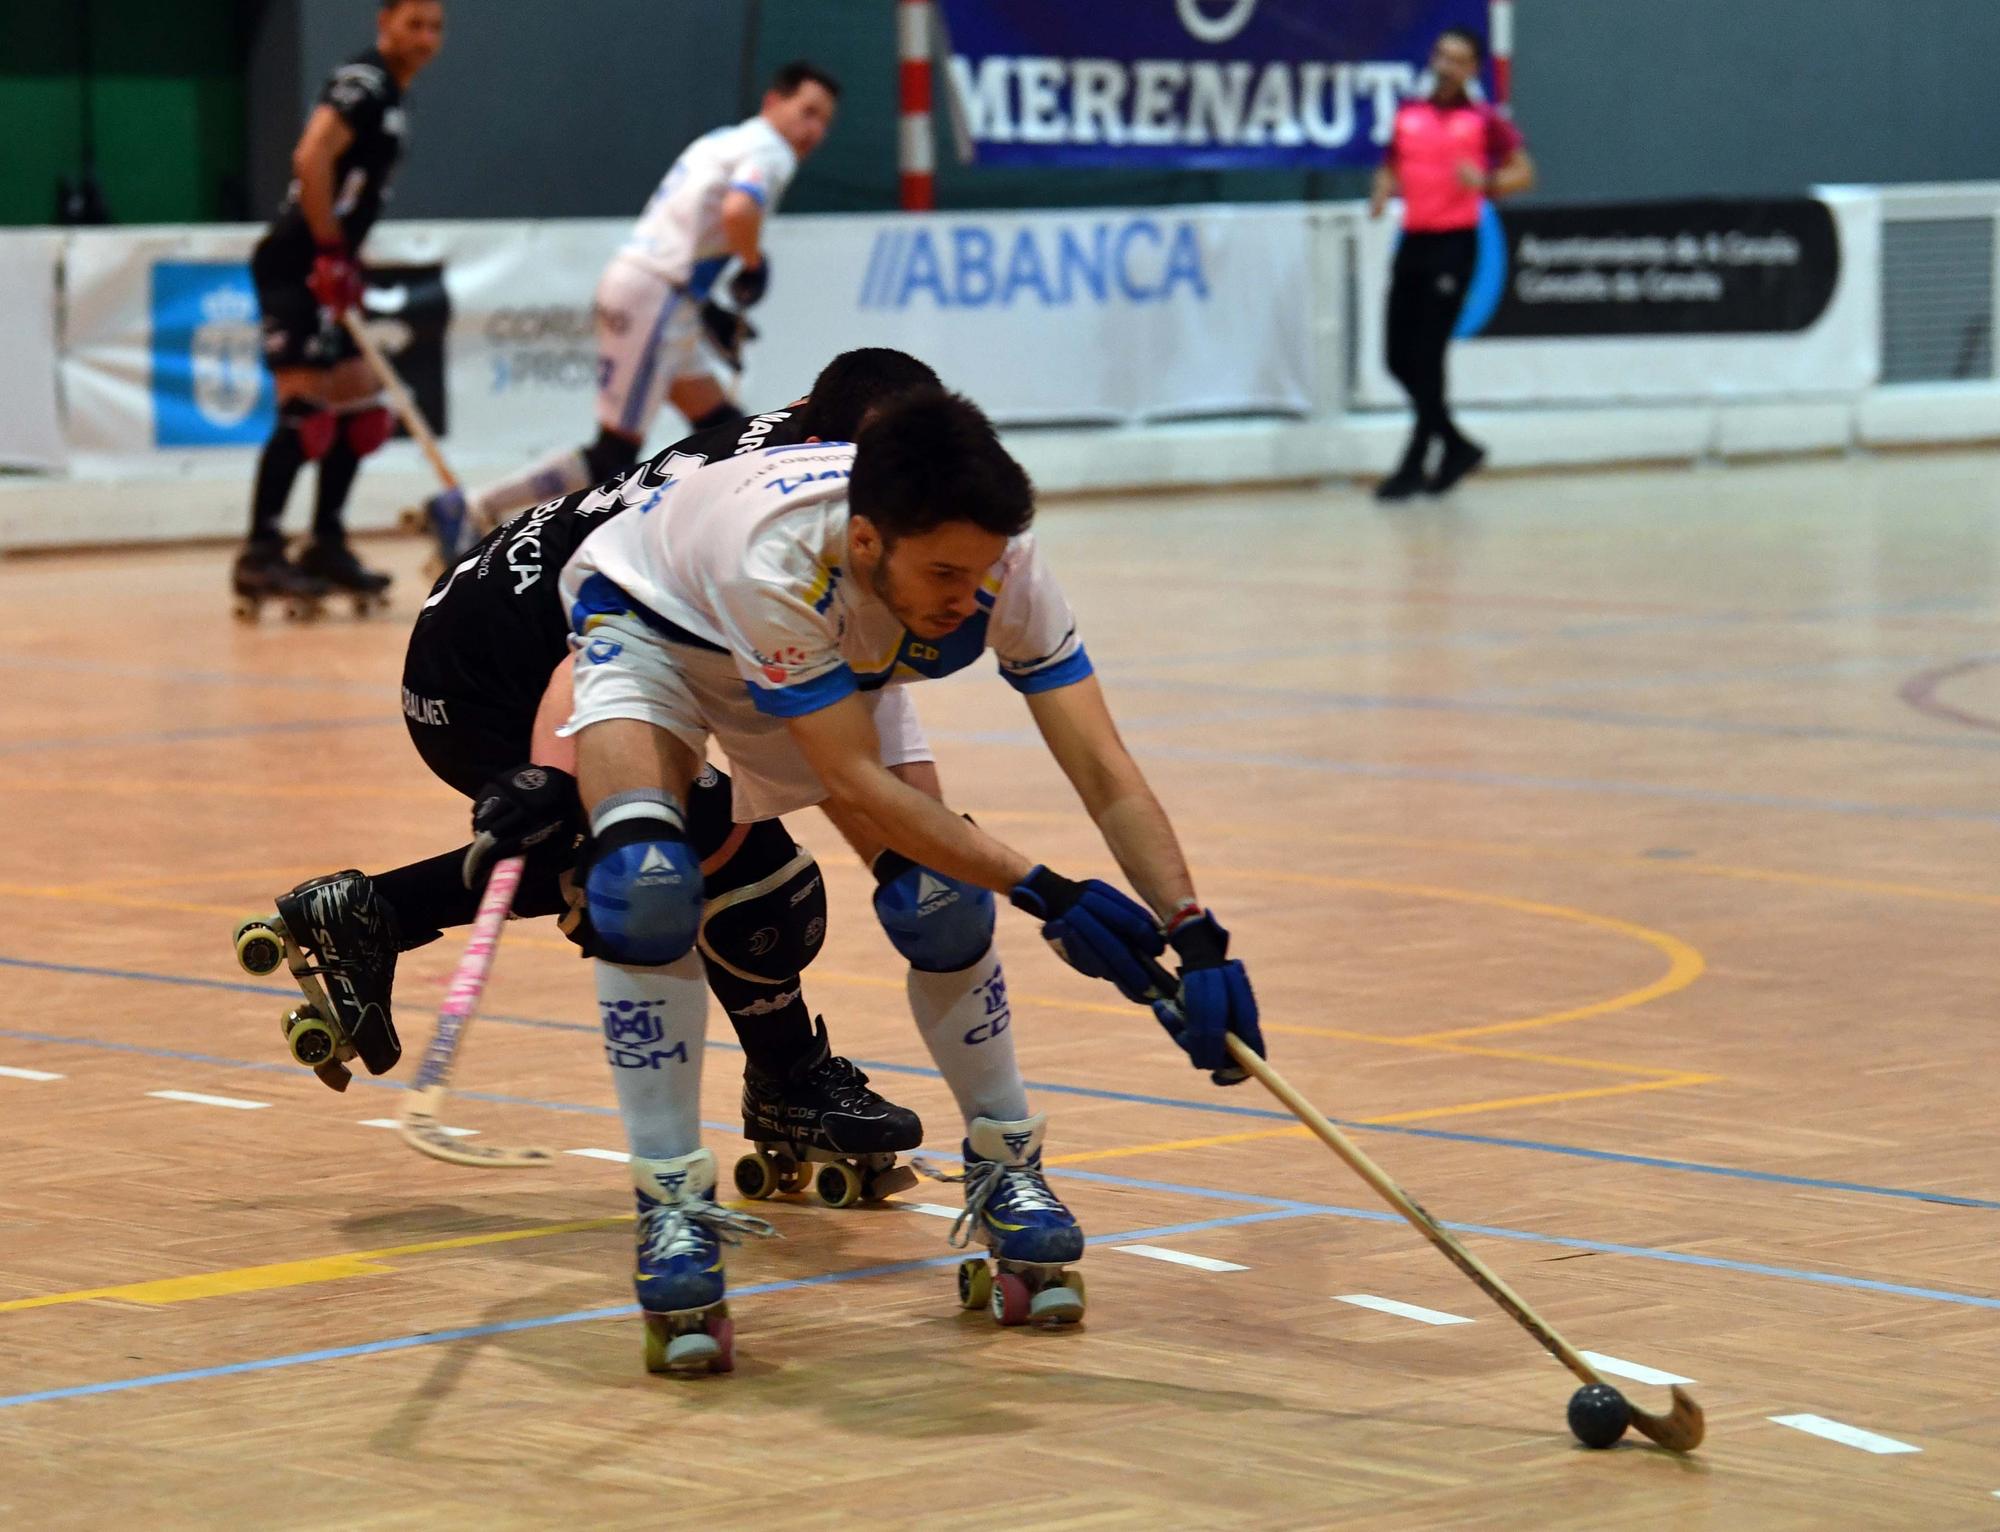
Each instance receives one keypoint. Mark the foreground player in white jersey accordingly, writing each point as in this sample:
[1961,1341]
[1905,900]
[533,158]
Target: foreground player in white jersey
[710,207]
[779,603]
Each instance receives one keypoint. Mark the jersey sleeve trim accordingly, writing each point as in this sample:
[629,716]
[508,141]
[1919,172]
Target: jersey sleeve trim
[755,193]
[1072,668]
[822,691]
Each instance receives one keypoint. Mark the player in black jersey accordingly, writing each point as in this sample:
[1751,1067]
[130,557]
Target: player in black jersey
[306,274]
[478,693]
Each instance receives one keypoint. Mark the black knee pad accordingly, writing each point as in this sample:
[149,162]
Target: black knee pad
[609,456]
[765,916]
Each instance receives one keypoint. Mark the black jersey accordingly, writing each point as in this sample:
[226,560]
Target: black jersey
[494,627]
[370,102]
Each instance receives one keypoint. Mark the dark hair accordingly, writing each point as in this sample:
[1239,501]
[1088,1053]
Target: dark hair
[855,382]
[787,80]
[932,458]
[1470,38]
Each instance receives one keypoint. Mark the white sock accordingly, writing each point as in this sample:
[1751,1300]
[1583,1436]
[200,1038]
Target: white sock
[655,1023]
[966,1023]
[562,474]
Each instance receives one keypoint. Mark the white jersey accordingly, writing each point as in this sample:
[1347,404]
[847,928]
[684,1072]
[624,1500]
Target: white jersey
[747,556]
[679,236]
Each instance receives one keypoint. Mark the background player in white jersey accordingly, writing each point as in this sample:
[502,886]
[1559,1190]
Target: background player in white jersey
[710,207]
[307,277]
[779,603]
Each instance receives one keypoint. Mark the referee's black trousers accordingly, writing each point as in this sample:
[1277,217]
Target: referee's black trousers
[1426,291]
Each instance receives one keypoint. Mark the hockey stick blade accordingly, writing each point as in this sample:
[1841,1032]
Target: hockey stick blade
[418,1121]
[1680,1430]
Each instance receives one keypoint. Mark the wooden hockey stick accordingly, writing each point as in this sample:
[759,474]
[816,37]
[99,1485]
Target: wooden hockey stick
[1679,1430]
[399,398]
[418,1120]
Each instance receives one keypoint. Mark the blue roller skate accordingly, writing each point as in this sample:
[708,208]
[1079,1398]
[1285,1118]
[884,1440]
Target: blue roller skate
[679,1277]
[448,521]
[1029,1235]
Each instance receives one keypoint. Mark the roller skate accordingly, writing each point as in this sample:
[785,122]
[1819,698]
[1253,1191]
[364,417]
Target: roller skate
[678,1277]
[339,939]
[334,563]
[824,1114]
[262,573]
[1029,1235]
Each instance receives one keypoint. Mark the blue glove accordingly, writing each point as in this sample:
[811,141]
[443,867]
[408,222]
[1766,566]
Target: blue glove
[1215,1000]
[1094,928]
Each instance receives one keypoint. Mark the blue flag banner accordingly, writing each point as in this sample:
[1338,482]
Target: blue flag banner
[1195,84]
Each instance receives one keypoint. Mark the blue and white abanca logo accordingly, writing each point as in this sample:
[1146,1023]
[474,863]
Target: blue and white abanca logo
[1054,265]
[209,385]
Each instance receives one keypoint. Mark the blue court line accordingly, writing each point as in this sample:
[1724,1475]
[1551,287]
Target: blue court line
[574,1316]
[1208,1105]
[188,736]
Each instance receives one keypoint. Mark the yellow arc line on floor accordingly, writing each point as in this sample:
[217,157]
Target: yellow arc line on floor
[252,1279]
[1422,1114]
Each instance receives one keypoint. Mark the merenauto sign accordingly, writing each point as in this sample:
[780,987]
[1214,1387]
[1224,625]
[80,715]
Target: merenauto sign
[1601,303]
[1198,83]
[1110,316]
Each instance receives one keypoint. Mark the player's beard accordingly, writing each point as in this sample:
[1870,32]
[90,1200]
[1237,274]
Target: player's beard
[923,624]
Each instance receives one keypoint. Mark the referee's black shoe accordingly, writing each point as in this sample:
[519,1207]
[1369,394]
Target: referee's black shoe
[1461,457]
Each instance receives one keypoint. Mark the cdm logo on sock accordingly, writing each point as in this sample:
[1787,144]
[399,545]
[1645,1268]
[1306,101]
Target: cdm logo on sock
[1050,263]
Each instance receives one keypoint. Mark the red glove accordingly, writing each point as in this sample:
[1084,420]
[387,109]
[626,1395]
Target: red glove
[335,279]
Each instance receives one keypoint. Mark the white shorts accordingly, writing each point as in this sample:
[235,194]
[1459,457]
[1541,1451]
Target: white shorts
[648,334]
[626,670]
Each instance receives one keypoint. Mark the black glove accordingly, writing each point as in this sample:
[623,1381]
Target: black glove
[1094,928]
[749,283]
[517,812]
[728,331]
[1215,1000]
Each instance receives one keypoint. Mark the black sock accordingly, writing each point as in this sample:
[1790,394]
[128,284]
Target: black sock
[276,470]
[771,1020]
[428,897]
[725,413]
[336,477]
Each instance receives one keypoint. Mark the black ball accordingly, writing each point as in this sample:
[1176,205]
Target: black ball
[1598,1414]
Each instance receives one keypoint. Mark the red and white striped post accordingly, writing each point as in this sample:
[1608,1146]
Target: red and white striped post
[1501,16]
[916,157]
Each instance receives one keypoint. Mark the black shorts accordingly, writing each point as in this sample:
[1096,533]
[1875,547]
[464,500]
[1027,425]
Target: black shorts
[465,734]
[297,332]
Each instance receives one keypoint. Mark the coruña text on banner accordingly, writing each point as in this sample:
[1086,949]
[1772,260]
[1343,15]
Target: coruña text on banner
[1204,84]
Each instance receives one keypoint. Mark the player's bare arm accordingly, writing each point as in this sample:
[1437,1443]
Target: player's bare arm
[743,227]
[1078,729]
[325,139]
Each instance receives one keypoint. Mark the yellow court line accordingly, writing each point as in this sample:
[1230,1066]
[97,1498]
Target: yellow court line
[1422,1114]
[332,1268]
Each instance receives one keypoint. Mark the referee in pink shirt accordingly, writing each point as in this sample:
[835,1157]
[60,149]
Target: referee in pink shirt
[1449,153]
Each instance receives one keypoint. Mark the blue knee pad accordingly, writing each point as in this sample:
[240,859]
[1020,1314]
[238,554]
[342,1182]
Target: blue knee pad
[644,891]
[939,924]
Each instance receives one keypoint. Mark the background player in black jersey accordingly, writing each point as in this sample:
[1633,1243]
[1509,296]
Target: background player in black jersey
[484,687]
[307,277]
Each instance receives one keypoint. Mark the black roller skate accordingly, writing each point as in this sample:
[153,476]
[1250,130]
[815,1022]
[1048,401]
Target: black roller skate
[339,938]
[262,573]
[1030,1237]
[334,562]
[824,1114]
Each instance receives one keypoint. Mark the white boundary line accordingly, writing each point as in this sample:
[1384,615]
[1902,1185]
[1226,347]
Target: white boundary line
[1846,1435]
[1402,1310]
[196,1098]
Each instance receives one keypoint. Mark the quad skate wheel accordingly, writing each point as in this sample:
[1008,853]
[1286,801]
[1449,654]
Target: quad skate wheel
[247,610]
[299,609]
[311,1040]
[259,948]
[975,1285]
[756,1176]
[793,1175]
[879,1184]
[675,1345]
[1061,1304]
[411,518]
[1011,1302]
[838,1185]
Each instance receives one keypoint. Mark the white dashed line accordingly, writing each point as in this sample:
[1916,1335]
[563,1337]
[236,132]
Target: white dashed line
[616,1156]
[1638,1372]
[1847,1436]
[1406,1310]
[390,1122]
[1180,1258]
[27,1074]
[196,1098]
[934,1209]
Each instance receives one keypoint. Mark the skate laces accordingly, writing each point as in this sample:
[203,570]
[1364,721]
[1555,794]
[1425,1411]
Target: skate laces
[676,1229]
[843,1082]
[1019,1188]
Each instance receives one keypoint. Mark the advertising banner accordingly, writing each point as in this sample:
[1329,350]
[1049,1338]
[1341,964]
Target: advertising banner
[1204,84]
[30,428]
[1653,301]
